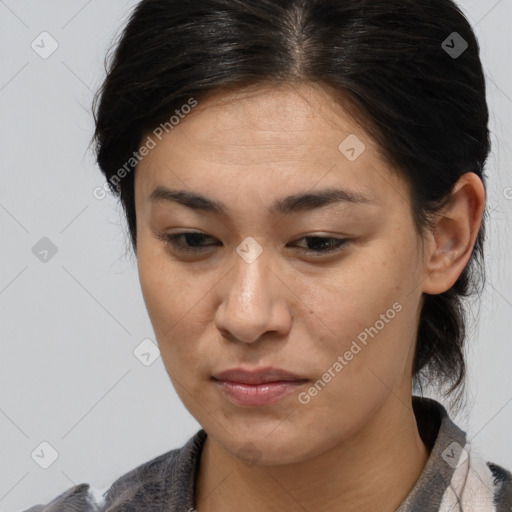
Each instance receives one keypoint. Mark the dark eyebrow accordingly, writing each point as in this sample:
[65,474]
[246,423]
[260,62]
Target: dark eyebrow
[318,199]
[189,199]
[291,204]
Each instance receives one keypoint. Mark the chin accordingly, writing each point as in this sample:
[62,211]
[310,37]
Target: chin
[269,443]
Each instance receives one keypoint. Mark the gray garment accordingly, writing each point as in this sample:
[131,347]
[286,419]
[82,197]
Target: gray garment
[167,482]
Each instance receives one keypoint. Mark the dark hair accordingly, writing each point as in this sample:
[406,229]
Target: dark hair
[392,60]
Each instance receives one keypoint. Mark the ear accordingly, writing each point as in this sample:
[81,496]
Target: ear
[450,243]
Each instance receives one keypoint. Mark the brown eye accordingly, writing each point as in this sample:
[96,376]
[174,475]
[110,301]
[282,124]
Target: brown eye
[187,241]
[319,244]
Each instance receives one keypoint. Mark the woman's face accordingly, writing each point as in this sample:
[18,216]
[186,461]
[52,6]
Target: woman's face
[344,319]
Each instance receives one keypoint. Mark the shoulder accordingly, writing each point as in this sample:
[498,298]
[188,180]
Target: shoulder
[456,476]
[82,498]
[144,482]
[76,499]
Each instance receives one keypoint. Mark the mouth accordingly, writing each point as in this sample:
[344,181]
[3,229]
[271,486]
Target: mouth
[257,388]
[261,376]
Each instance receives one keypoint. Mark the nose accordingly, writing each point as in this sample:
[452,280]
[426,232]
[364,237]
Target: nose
[254,302]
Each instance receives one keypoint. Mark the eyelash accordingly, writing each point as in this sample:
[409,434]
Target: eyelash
[173,240]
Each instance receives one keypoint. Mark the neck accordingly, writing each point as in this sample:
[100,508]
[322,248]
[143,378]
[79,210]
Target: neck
[374,469]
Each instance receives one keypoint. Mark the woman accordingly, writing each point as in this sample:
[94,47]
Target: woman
[303,182]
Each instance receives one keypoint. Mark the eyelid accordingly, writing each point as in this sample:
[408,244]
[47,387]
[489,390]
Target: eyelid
[170,239]
[339,245]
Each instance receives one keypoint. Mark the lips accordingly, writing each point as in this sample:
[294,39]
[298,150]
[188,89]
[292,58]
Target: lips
[261,376]
[257,388]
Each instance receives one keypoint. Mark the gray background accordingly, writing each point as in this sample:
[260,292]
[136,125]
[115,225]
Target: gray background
[69,326]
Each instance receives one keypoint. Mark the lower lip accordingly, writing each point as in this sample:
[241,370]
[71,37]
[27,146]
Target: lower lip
[258,394]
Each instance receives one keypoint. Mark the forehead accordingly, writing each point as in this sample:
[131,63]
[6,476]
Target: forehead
[286,113]
[263,139]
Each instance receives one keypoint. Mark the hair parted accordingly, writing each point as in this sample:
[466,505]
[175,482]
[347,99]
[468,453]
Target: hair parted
[426,109]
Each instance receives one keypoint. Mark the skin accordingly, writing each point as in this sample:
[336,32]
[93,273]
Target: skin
[355,445]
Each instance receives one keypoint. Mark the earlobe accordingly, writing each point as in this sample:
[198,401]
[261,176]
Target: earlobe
[454,235]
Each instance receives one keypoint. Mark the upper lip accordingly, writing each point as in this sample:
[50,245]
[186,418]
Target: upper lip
[260,376]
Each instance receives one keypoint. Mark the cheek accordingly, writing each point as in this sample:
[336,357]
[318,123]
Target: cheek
[360,311]
[167,294]
[159,291]
[178,307]
[348,297]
